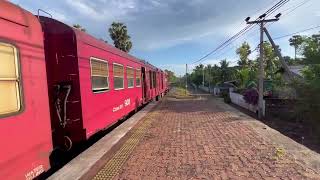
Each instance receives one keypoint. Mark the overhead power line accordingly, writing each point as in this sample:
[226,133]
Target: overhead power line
[288,11]
[291,9]
[298,32]
[243,31]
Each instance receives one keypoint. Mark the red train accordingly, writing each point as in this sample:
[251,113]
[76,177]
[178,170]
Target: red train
[58,87]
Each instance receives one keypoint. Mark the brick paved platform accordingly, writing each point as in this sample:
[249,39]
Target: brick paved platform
[203,138]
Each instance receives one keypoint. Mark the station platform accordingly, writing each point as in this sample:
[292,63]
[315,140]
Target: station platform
[193,138]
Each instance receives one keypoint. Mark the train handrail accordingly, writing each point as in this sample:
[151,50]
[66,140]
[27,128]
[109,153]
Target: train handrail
[40,10]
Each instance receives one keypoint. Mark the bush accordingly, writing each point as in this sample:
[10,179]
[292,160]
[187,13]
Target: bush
[251,96]
[226,97]
[239,90]
[252,84]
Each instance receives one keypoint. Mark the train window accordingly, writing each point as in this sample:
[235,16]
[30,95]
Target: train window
[154,80]
[138,78]
[161,81]
[99,75]
[130,77]
[118,76]
[10,87]
[150,79]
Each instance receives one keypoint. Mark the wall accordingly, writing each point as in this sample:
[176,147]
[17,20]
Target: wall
[238,100]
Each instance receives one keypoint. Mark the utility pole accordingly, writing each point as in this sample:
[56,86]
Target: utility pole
[278,53]
[186,78]
[261,21]
[209,80]
[203,75]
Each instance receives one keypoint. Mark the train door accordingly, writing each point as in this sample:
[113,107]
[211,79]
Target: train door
[144,84]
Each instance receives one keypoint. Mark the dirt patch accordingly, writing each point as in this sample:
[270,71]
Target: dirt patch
[301,132]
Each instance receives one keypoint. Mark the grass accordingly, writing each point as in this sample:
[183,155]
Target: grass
[180,92]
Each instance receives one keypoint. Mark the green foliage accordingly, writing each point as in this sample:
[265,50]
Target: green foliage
[244,51]
[309,96]
[172,77]
[226,97]
[197,75]
[119,34]
[244,76]
[78,26]
[308,89]
[292,62]
[271,61]
[311,49]
[213,74]
[296,41]
[224,70]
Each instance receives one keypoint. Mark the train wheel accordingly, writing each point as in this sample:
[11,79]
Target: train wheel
[57,158]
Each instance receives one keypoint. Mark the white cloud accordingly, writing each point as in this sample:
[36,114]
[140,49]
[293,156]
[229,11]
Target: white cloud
[156,25]
[59,16]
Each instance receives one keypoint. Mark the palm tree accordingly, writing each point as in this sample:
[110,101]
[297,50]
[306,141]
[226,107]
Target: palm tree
[296,41]
[119,34]
[224,70]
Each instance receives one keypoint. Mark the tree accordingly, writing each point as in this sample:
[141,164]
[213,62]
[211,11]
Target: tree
[243,51]
[171,75]
[78,26]
[196,75]
[271,62]
[311,49]
[244,76]
[296,42]
[119,34]
[224,70]
[307,90]
[215,74]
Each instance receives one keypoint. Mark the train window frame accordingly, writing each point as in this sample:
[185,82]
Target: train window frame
[117,64]
[17,79]
[150,79]
[155,79]
[138,70]
[132,68]
[104,89]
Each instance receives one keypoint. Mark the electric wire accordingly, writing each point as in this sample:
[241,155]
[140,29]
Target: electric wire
[290,10]
[298,32]
[243,31]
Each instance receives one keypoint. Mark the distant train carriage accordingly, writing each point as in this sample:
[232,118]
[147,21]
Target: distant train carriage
[58,87]
[99,83]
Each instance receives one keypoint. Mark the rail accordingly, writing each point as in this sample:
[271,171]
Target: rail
[40,10]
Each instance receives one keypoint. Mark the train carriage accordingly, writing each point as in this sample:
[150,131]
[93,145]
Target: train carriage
[25,133]
[105,83]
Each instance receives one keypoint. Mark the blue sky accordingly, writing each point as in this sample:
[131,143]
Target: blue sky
[171,33]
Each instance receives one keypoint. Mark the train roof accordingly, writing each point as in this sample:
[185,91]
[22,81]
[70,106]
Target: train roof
[15,14]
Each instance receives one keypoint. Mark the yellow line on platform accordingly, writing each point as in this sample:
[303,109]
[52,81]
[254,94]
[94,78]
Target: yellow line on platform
[113,166]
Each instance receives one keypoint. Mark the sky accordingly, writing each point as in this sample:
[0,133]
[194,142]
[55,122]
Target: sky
[172,33]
